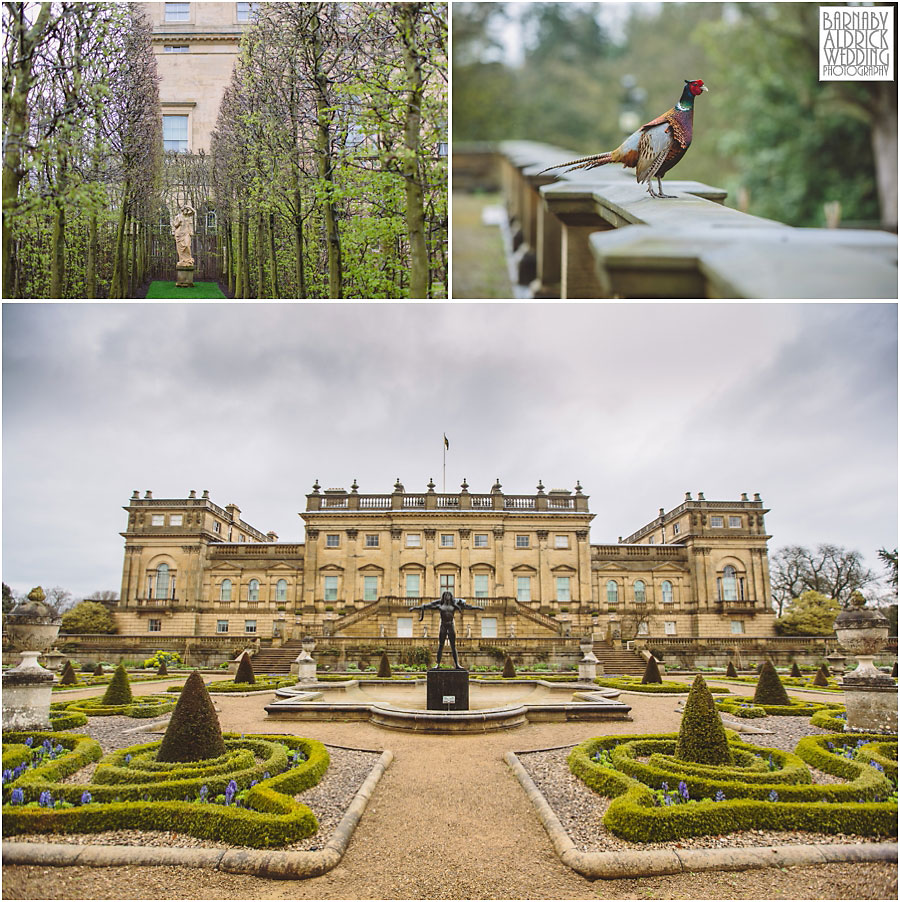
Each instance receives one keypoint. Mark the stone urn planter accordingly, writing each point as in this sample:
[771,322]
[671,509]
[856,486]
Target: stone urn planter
[304,665]
[871,696]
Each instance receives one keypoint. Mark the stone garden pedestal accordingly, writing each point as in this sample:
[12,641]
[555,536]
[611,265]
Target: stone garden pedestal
[184,276]
[448,690]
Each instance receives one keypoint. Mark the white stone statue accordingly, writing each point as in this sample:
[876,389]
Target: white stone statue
[183,229]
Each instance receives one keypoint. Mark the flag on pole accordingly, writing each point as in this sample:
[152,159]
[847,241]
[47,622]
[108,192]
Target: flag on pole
[446,443]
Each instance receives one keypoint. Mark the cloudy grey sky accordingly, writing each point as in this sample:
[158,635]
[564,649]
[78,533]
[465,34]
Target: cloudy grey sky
[641,402]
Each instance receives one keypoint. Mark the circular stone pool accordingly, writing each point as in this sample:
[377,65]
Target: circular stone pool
[493,704]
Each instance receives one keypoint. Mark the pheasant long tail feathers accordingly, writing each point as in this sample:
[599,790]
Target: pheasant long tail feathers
[599,159]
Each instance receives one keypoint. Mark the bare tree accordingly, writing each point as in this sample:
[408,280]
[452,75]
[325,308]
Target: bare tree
[830,570]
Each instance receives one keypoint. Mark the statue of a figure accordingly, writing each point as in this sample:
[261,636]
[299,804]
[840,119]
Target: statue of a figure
[183,229]
[448,606]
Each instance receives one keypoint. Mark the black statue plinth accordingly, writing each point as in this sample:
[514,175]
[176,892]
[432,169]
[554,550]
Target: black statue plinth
[448,684]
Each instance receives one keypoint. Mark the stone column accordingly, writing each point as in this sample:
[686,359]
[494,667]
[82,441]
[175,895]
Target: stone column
[501,577]
[585,594]
[465,577]
[546,588]
[350,577]
[310,568]
[392,576]
[429,590]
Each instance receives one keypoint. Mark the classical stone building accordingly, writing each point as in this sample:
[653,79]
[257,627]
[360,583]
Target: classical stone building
[193,568]
[196,46]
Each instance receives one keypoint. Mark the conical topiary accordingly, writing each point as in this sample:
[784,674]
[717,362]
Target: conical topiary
[509,670]
[245,670]
[820,679]
[894,671]
[730,670]
[193,733]
[769,688]
[701,738]
[825,669]
[795,670]
[651,672]
[98,670]
[68,675]
[118,692]
[162,669]
[384,667]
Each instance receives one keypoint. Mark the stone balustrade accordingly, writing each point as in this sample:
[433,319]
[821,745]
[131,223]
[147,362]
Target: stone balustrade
[598,234]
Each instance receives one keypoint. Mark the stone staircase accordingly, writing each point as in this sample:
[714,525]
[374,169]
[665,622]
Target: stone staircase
[277,660]
[617,661]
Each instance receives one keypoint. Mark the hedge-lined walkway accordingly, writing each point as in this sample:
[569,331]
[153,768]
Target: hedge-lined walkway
[449,820]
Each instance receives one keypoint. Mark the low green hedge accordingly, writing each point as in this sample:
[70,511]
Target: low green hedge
[14,754]
[794,682]
[272,818]
[795,709]
[139,706]
[80,751]
[635,814]
[66,720]
[634,684]
[827,719]
[262,684]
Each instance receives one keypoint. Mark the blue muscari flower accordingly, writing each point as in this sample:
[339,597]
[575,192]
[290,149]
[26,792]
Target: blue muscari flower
[253,783]
[683,789]
[17,797]
[85,798]
[45,800]
[665,787]
[204,792]
[773,796]
[266,775]
[8,775]
[19,770]
[830,746]
[29,741]
[860,743]
[877,766]
[230,791]
[720,796]
[128,759]
[46,744]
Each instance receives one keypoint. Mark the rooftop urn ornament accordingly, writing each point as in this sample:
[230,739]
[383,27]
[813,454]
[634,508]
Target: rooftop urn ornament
[31,627]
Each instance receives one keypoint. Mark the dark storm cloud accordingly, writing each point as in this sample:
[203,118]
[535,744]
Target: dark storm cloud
[255,401]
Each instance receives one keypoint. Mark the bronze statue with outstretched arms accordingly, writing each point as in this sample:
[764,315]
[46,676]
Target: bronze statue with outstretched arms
[448,606]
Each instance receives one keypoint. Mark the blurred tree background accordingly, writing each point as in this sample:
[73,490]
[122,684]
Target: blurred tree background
[584,75]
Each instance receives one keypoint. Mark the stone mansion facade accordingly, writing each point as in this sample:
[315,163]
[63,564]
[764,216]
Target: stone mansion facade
[193,568]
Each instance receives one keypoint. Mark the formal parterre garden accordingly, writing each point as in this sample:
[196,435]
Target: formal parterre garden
[704,781]
[197,781]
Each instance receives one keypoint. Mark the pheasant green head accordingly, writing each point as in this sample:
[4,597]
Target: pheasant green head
[691,90]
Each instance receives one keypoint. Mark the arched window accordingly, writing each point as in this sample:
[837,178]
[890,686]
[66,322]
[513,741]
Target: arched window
[162,581]
[225,590]
[281,590]
[666,591]
[729,584]
[640,591]
[253,590]
[612,592]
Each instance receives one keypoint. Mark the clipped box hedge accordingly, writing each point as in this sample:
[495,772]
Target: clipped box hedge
[795,709]
[827,719]
[828,808]
[139,706]
[262,684]
[120,801]
[634,684]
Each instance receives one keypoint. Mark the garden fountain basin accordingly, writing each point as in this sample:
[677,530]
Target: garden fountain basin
[493,704]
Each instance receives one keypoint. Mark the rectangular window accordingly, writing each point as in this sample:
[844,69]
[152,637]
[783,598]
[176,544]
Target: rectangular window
[176,520]
[523,588]
[371,540]
[217,526]
[241,538]
[158,520]
[716,522]
[670,627]
[481,540]
[404,627]
[561,542]
[737,627]
[221,626]
[651,540]
[481,585]
[448,582]
[563,592]
[154,626]
[249,626]
[523,542]
[414,540]
[370,588]
[412,585]
[676,528]
[246,11]
[447,540]
[331,588]
[488,627]
[734,522]
[175,132]
[176,48]
[332,540]
[178,12]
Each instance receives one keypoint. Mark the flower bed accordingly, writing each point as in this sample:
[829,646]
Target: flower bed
[732,706]
[244,797]
[262,684]
[139,706]
[634,684]
[766,789]
[833,718]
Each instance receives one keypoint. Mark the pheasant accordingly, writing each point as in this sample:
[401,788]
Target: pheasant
[655,147]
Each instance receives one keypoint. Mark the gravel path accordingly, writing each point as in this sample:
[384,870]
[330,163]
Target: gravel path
[448,821]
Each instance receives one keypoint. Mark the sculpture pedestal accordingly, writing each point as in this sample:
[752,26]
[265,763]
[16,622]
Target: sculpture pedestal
[26,695]
[444,685]
[871,701]
[184,276]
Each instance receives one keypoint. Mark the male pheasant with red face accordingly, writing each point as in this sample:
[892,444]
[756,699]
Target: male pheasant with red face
[655,147]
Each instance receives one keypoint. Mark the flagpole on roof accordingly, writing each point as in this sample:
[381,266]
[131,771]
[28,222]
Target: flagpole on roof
[444,481]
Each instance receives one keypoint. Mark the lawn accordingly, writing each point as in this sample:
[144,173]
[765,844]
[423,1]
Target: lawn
[168,290]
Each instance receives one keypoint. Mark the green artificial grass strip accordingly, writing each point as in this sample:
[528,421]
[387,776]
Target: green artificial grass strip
[168,290]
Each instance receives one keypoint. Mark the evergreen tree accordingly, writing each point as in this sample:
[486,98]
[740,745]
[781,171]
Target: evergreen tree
[118,692]
[769,688]
[820,679]
[795,670]
[193,733]
[651,672]
[68,676]
[384,667]
[702,738]
[245,671]
[730,670]
[509,670]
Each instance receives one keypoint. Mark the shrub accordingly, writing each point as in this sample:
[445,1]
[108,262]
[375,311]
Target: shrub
[769,689]
[245,670]
[825,669]
[384,667]
[509,670]
[98,670]
[730,670]
[830,718]
[118,692]
[498,654]
[88,617]
[169,658]
[162,670]
[68,677]
[795,670]
[666,687]
[894,670]
[702,737]
[821,678]
[193,733]
[418,656]
[651,671]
